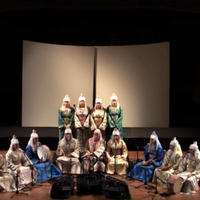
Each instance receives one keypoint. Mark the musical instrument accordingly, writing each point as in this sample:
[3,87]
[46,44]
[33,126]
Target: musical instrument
[43,153]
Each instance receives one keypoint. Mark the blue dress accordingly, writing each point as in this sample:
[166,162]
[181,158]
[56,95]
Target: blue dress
[46,170]
[145,173]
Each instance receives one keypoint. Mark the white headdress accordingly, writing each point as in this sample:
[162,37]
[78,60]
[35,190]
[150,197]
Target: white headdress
[194,146]
[114,97]
[13,141]
[154,136]
[81,98]
[174,142]
[68,130]
[116,132]
[30,142]
[97,131]
[66,98]
[98,100]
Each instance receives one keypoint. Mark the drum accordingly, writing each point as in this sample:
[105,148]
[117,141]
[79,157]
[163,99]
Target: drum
[43,153]
[175,184]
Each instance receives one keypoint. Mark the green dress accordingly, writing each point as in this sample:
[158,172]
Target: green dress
[115,117]
[65,119]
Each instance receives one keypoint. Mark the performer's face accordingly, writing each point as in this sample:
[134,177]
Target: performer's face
[66,104]
[35,140]
[152,141]
[67,136]
[116,137]
[191,152]
[171,147]
[114,103]
[98,105]
[96,136]
[15,147]
[81,104]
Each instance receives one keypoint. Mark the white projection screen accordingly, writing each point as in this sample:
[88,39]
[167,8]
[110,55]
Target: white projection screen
[139,75]
[49,72]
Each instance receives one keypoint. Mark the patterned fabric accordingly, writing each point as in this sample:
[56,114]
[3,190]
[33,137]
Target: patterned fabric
[115,116]
[65,119]
[7,181]
[117,154]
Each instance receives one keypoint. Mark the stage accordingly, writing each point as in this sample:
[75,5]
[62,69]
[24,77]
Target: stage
[41,191]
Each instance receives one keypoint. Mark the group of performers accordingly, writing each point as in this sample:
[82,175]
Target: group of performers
[92,141]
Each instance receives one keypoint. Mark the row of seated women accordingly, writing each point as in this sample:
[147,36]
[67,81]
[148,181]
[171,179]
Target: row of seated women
[34,164]
[174,171]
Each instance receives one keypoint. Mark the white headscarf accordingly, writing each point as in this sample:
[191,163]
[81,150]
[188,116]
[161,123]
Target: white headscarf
[81,111]
[177,147]
[154,136]
[66,98]
[13,141]
[30,142]
[195,148]
[114,97]
[115,132]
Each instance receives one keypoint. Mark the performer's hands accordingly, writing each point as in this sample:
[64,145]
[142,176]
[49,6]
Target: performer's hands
[144,162]
[189,175]
[31,167]
[18,170]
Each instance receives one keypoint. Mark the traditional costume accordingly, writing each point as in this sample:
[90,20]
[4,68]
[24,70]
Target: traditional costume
[153,156]
[115,116]
[40,156]
[82,124]
[117,153]
[7,178]
[187,176]
[18,160]
[65,117]
[170,163]
[68,154]
[94,158]
[98,118]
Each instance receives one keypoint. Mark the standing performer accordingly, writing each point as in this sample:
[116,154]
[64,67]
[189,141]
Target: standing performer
[98,117]
[19,163]
[170,164]
[187,176]
[7,181]
[68,154]
[115,116]
[82,123]
[39,155]
[153,156]
[117,153]
[65,116]
[94,158]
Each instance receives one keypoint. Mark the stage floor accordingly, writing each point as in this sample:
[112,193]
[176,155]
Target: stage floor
[41,191]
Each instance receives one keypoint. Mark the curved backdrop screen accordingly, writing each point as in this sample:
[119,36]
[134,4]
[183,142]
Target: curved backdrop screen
[138,74]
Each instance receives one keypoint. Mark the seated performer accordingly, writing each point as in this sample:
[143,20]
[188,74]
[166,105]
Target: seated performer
[153,156]
[170,163]
[94,158]
[98,117]
[7,179]
[187,176]
[19,163]
[82,123]
[116,153]
[68,154]
[39,155]
[115,116]
[65,117]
